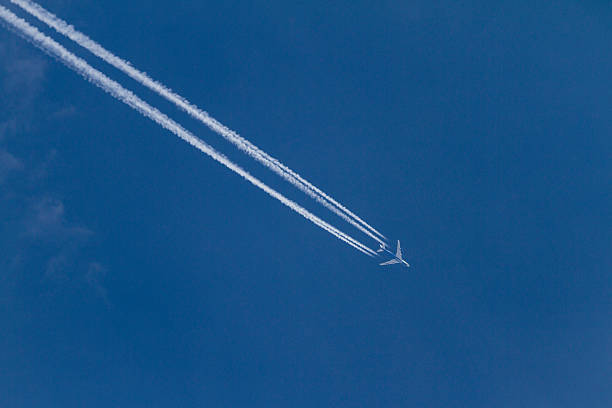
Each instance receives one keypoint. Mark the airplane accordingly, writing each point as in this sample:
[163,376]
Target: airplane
[397,256]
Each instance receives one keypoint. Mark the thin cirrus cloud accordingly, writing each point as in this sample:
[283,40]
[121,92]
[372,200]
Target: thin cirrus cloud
[259,155]
[51,47]
[8,164]
[46,220]
[21,79]
[36,233]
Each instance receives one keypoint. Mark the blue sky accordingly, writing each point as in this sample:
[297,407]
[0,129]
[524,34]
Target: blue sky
[137,272]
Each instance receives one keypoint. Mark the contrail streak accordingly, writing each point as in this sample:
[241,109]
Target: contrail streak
[97,78]
[273,164]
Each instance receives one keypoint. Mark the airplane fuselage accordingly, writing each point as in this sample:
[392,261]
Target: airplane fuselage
[397,257]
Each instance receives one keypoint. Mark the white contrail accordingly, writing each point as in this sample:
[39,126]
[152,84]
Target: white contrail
[84,41]
[96,77]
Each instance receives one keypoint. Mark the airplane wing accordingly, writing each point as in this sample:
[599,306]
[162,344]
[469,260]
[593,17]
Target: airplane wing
[399,251]
[391,262]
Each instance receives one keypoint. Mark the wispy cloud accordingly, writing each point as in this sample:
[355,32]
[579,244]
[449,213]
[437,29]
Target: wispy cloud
[37,236]
[46,220]
[81,67]
[8,164]
[23,73]
[43,244]
[233,137]
[22,78]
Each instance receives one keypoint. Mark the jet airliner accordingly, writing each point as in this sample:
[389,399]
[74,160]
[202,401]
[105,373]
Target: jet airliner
[397,256]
